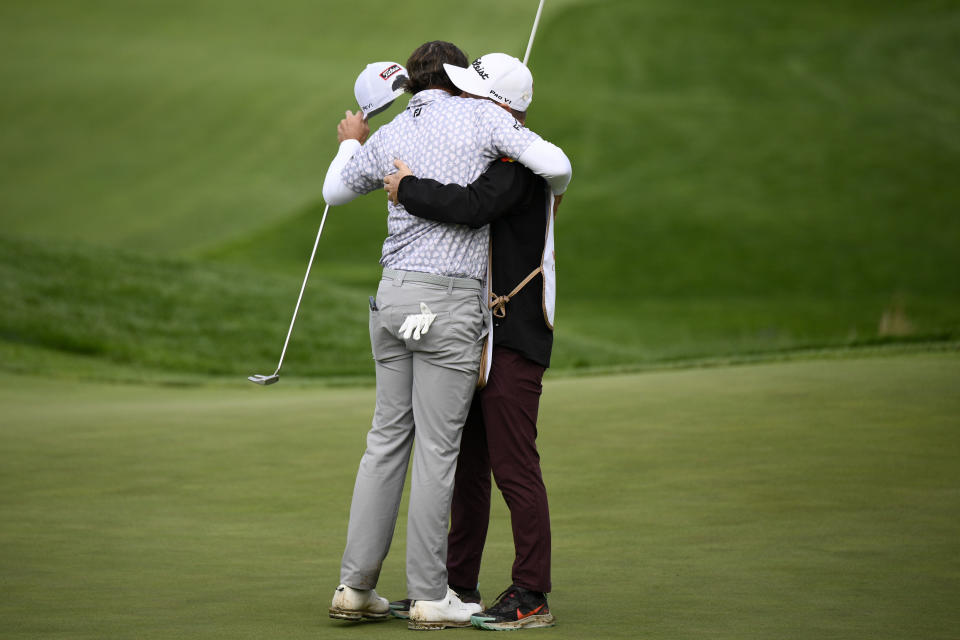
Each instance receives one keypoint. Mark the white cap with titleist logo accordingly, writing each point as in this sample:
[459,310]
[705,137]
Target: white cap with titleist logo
[378,86]
[497,76]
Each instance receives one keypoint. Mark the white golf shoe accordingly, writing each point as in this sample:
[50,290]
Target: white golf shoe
[358,604]
[449,611]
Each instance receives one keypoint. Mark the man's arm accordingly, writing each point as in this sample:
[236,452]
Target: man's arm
[513,140]
[351,133]
[549,161]
[498,190]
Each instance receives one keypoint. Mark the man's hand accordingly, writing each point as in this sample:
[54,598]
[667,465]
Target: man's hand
[353,127]
[391,182]
[556,203]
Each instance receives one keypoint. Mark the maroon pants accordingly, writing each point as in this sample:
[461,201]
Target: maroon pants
[500,435]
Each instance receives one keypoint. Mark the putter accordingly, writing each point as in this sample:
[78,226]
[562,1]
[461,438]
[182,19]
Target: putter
[259,378]
[533,32]
[377,86]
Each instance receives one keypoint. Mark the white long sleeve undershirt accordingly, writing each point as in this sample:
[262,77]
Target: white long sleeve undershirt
[550,162]
[543,158]
[335,192]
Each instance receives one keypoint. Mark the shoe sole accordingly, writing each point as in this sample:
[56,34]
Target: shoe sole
[434,626]
[530,622]
[357,616]
[404,614]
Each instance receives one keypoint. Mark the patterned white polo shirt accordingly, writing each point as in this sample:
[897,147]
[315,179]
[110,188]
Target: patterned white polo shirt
[451,140]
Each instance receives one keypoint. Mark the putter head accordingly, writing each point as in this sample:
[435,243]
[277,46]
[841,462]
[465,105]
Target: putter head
[259,378]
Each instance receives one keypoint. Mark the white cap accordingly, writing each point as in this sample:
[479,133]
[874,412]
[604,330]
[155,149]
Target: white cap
[378,86]
[497,76]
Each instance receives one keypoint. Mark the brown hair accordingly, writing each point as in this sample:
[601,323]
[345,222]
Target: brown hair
[425,66]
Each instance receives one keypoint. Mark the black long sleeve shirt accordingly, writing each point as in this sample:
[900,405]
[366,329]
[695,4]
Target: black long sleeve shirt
[513,201]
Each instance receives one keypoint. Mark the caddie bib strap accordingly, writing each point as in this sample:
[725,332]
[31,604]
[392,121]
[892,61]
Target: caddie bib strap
[548,267]
[499,303]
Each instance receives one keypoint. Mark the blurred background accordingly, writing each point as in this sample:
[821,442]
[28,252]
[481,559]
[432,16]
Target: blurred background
[751,179]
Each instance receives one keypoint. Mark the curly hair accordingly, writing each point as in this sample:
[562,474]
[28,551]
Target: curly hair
[425,66]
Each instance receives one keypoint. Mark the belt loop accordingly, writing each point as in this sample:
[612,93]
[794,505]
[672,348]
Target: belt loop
[450,287]
[398,281]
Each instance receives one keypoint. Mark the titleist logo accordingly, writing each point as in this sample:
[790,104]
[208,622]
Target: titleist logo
[476,67]
[389,71]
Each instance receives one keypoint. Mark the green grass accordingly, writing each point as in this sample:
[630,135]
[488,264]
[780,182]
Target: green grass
[171,316]
[752,181]
[108,314]
[794,500]
[748,178]
[805,144]
[175,126]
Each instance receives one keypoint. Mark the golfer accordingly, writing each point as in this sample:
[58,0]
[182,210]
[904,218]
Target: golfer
[426,325]
[501,429]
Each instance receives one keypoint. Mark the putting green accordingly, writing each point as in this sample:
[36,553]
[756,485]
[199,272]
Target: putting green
[808,499]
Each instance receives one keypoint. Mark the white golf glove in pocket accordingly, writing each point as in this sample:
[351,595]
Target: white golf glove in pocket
[417,324]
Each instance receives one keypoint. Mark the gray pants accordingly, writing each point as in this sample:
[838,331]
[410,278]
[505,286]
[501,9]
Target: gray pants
[424,388]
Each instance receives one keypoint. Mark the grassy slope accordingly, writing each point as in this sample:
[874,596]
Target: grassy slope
[810,144]
[799,500]
[766,174]
[171,317]
[749,178]
[175,126]
[106,314]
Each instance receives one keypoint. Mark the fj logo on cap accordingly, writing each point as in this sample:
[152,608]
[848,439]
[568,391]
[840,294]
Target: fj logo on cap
[389,71]
[476,67]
